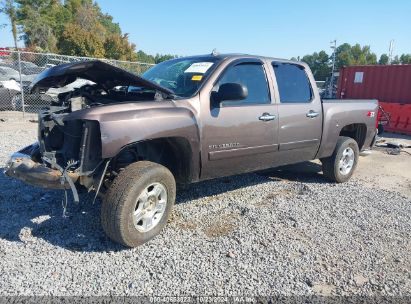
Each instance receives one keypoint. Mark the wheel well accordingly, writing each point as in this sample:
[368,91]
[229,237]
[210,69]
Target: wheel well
[357,132]
[174,153]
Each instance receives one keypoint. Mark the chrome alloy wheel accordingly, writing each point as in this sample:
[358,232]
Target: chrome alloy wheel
[150,207]
[346,162]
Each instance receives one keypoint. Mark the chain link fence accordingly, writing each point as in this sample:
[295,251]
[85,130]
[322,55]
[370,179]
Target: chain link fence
[19,68]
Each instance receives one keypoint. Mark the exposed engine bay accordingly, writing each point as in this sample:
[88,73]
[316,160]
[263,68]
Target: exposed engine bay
[91,95]
[75,145]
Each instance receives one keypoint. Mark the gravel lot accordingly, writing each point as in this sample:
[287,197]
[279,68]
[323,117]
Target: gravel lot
[258,234]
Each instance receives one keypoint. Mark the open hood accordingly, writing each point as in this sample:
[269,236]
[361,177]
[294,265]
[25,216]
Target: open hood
[103,74]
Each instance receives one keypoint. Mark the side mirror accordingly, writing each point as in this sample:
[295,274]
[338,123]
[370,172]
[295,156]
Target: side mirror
[232,91]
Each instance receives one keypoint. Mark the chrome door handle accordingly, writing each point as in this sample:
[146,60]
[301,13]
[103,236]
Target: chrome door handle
[312,114]
[266,117]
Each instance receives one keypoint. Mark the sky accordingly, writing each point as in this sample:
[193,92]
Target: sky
[273,28]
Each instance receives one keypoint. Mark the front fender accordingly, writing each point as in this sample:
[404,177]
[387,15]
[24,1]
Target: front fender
[126,123]
[170,122]
[129,123]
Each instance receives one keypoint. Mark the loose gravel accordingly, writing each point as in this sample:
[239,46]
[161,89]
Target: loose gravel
[257,234]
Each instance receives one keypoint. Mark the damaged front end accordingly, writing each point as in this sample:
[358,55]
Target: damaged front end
[23,166]
[66,156]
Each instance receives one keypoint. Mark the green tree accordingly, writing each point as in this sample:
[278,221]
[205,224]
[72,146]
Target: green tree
[38,21]
[319,64]
[383,59]
[347,55]
[83,34]
[405,58]
[343,55]
[143,57]
[160,58]
[77,41]
[362,55]
[118,47]
[107,21]
[96,28]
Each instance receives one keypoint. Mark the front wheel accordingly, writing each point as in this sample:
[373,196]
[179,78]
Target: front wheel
[138,203]
[340,166]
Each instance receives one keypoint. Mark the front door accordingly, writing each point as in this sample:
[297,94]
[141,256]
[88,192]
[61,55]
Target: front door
[240,135]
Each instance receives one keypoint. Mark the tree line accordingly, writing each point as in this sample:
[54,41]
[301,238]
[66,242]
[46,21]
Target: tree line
[71,27]
[346,55]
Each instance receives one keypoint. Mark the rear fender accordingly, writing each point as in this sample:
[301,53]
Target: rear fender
[337,116]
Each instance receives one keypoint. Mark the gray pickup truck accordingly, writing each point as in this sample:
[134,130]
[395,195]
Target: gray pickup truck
[133,140]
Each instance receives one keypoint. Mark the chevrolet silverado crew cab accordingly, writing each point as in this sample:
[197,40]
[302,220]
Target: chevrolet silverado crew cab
[134,139]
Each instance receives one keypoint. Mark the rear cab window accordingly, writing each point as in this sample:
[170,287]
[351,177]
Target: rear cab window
[293,83]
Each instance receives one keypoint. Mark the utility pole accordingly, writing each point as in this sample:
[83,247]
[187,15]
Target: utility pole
[390,51]
[331,84]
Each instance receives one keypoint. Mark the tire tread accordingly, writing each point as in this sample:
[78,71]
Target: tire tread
[329,163]
[111,218]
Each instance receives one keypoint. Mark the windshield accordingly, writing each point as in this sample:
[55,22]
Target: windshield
[183,76]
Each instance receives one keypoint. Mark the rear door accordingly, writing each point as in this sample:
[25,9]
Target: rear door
[300,113]
[241,135]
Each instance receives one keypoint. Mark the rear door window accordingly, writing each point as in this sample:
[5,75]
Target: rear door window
[293,83]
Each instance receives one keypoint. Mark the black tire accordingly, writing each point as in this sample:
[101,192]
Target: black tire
[120,202]
[331,165]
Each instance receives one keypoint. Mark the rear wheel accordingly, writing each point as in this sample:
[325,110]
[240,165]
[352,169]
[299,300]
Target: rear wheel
[138,203]
[340,166]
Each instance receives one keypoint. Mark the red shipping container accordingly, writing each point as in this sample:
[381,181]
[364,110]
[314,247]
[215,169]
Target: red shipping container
[387,83]
[400,117]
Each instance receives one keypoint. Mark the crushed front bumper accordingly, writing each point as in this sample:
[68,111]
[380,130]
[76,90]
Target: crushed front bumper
[23,167]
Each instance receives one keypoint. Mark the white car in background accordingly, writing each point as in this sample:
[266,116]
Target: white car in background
[7,73]
[8,91]
[11,97]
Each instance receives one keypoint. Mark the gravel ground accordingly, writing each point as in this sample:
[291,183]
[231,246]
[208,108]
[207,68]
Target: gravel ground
[256,234]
